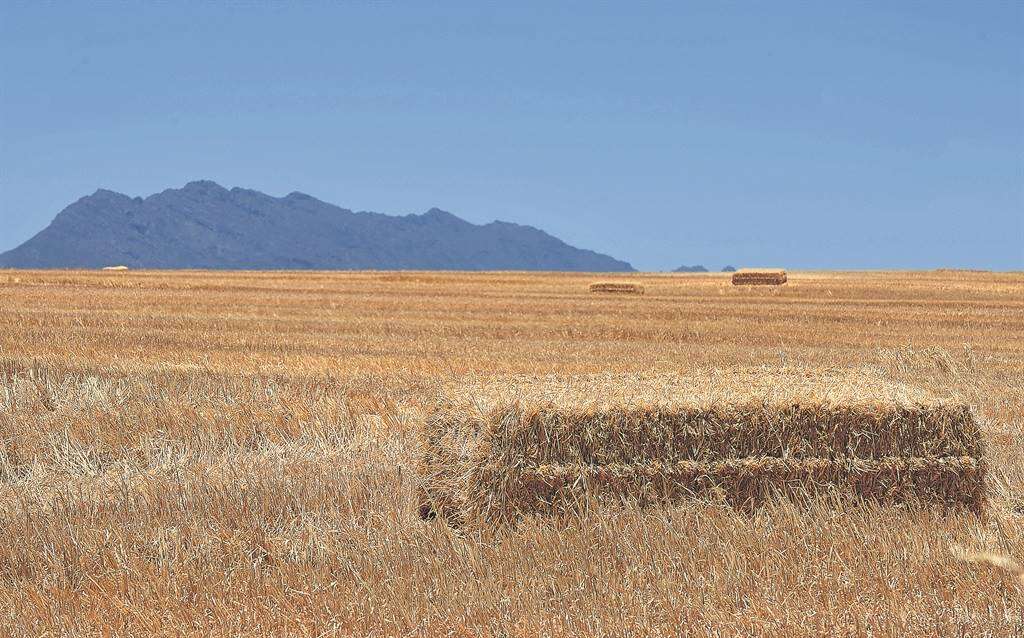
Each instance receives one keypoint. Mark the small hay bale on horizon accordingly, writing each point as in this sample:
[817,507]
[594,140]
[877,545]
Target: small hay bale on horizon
[499,451]
[617,287]
[759,277]
[116,268]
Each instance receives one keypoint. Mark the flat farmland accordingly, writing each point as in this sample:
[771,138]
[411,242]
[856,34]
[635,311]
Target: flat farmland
[228,453]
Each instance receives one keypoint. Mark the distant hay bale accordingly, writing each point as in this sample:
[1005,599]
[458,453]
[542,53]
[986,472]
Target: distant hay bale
[759,277]
[118,268]
[497,452]
[616,287]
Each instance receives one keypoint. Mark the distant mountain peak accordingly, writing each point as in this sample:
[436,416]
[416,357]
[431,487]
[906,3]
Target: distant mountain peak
[103,192]
[437,214]
[204,225]
[204,185]
[697,268]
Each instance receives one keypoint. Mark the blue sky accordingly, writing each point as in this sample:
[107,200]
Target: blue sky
[805,135]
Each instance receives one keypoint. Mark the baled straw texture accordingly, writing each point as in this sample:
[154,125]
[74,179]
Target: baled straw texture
[742,482]
[759,277]
[617,288]
[500,450]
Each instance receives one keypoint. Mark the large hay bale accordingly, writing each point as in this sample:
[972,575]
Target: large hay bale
[116,268]
[500,450]
[616,287]
[759,277]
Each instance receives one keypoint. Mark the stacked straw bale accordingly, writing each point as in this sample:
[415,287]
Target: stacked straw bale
[617,288]
[117,268]
[497,451]
[759,277]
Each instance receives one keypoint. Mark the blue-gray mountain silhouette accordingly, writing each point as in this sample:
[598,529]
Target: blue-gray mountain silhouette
[697,268]
[204,225]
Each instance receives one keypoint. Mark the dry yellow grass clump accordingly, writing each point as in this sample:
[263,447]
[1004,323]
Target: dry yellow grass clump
[621,288]
[226,454]
[759,277]
[505,449]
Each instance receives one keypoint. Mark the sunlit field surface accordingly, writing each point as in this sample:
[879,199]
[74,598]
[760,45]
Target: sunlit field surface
[236,454]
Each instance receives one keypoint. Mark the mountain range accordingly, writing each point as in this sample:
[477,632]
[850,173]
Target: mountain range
[204,225]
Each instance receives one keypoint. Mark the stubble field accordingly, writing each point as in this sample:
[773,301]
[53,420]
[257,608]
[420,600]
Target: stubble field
[198,453]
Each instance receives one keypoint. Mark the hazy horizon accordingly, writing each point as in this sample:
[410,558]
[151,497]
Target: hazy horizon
[839,137]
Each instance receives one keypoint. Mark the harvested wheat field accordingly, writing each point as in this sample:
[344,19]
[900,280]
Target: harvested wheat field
[235,454]
[759,277]
[620,288]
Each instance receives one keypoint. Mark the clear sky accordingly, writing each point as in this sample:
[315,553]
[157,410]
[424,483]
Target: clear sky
[805,135]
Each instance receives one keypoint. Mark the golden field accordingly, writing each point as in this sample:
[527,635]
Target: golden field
[200,453]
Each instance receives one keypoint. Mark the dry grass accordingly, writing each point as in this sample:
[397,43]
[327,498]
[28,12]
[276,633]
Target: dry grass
[759,277]
[235,454]
[620,288]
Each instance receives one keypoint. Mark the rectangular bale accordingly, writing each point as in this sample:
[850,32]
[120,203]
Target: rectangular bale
[490,444]
[759,277]
[621,288]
